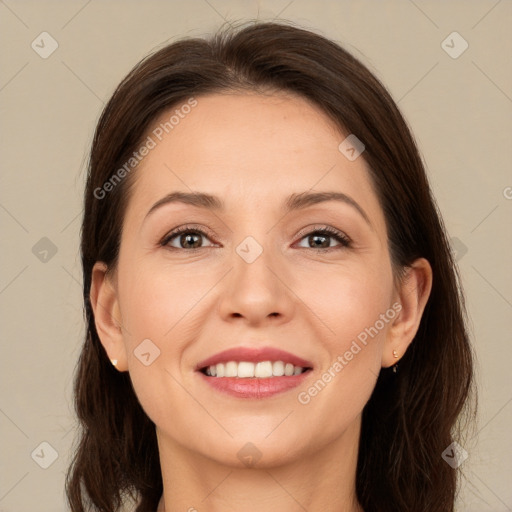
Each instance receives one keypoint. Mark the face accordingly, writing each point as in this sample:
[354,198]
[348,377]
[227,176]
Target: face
[256,275]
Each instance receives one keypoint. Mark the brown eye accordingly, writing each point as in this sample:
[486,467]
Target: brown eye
[185,238]
[190,240]
[321,239]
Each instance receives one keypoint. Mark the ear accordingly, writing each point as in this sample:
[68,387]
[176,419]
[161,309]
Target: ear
[107,315]
[412,295]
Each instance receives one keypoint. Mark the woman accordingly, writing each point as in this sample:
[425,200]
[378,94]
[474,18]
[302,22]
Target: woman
[274,320]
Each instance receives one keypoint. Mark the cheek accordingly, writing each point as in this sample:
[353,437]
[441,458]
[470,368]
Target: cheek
[356,307]
[348,301]
[156,302]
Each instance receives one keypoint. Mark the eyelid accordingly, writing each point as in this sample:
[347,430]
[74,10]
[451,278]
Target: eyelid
[203,231]
[342,238]
[322,227]
[344,241]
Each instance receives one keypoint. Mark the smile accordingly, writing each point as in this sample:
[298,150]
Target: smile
[249,372]
[247,369]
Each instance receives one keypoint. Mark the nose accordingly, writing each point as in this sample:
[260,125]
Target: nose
[258,292]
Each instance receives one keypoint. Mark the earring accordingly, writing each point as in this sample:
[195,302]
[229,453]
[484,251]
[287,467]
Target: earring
[395,355]
[114,362]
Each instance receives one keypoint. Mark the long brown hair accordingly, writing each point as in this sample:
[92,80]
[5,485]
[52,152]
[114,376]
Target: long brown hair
[413,415]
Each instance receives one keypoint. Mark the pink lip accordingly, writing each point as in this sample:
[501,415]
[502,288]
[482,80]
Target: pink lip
[256,387]
[254,355]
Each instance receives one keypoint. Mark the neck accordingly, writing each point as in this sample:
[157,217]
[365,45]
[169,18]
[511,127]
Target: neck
[323,480]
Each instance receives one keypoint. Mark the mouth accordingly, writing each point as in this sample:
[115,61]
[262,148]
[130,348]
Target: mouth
[249,370]
[254,373]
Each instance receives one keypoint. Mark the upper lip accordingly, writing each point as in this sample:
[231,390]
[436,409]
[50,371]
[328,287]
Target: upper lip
[254,355]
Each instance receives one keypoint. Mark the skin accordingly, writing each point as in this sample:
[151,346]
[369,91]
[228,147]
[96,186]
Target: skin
[253,151]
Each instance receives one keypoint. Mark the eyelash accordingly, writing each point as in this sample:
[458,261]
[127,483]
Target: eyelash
[340,237]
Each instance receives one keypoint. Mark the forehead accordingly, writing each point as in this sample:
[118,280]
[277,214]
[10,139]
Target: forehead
[259,148]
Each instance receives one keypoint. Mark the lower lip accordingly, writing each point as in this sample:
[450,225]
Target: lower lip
[254,388]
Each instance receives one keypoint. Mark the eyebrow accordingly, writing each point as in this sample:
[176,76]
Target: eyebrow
[293,202]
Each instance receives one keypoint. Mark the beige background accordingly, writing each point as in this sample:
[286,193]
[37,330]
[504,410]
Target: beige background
[459,109]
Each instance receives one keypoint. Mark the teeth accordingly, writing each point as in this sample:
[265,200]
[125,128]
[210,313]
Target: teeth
[278,368]
[231,369]
[245,370]
[261,370]
[288,369]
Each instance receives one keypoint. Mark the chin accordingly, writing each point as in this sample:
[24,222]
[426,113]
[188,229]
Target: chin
[245,453]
